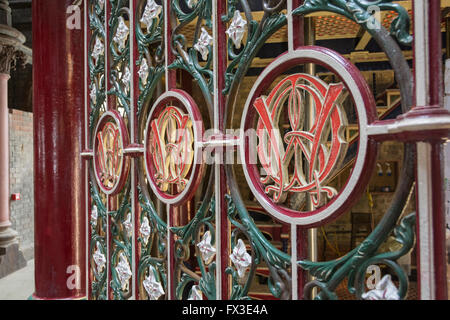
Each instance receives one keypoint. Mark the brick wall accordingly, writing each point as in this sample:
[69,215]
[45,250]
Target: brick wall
[21,178]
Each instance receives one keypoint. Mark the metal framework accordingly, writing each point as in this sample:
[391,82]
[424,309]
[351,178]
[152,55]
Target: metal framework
[164,223]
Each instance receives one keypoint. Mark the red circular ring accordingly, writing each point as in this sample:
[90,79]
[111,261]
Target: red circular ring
[276,68]
[185,101]
[124,140]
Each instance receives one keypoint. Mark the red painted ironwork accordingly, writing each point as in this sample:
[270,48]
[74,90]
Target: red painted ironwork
[366,110]
[301,141]
[110,164]
[172,153]
[174,130]
[58,169]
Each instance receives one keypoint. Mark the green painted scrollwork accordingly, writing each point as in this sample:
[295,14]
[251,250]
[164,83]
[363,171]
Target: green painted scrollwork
[361,11]
[98,284]
[354,264]
[158,226]
[150,67]
[121,234]
[119,56]
[187,58]
[150,260]
[96,65]
[268,252]
[97,209]
[189,235]
[258,33]
[276,260]
[97,244]
[202,9]
[149,44]
[185,280]
[208,282]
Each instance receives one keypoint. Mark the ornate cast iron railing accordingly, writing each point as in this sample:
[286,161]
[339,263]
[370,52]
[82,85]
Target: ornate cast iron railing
[165,225]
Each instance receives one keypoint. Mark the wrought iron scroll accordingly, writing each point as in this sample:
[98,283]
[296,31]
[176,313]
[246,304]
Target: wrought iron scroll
[187,55]
[195,278]
[113,52]
[330,274]
[354,264]
[98,212]
[151,227]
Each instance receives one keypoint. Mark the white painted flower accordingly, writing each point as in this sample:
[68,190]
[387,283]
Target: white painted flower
[123,271]
[99,258]
[94,211]
[151,11]
[196,293]
[101,3]
[205,247]
[202,44]
[145,230]
[126,78]
[121,34]
[153,286]
[192,3]
[237,29]
[384,290]
[128,224]
[240,258]
[93,96]
[143,71]
[98,50]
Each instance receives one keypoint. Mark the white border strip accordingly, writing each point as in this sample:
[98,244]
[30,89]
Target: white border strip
[425,220]
[106,40]
[217,177]
[424,183]
[132,67]
[166,42]
[169,261]
[86,170]
[294,258]
[132,137]
[421,51]
[290,26]
[108,265]
[166,49]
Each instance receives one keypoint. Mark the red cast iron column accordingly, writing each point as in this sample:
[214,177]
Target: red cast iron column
[58,122]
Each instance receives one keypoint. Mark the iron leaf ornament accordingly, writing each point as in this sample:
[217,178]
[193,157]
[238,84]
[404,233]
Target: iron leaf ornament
[360,12]
[354,265]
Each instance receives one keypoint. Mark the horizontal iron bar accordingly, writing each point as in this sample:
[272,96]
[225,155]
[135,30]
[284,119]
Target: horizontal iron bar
[422,126]
[220,143]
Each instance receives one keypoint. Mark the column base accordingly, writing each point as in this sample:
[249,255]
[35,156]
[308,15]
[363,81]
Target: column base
[7,236]
[11,259]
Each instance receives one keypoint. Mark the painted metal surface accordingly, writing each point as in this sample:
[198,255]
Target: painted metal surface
[58,140]
[208,245]
[365,107]
[172,143]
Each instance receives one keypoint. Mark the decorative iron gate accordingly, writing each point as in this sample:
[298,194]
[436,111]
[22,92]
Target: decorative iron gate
[166,218]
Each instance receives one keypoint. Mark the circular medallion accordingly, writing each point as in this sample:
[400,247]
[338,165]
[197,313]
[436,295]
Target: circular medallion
[173,154]
[295,134]
[111,167]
